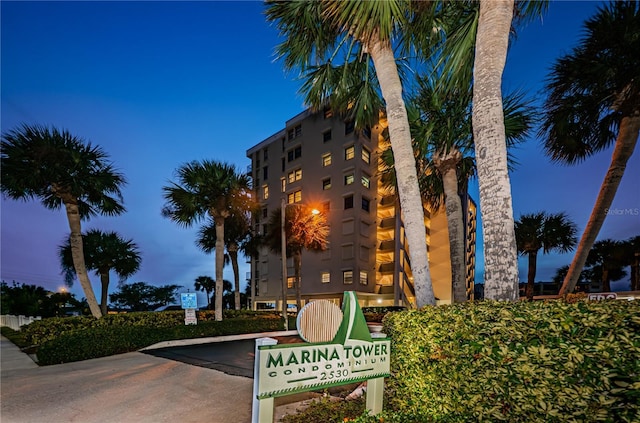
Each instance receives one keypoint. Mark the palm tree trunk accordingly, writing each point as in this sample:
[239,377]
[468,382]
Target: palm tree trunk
[606,282]
[625,144]
[219,221]
[297,265]
[77,253]
[500,252]
[233,255]
[405,167]
[447,163]
[635,272]
[531,274]
[104,282]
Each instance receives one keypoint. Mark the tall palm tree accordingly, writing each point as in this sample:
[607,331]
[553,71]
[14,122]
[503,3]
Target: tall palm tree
[303,230]
[61,169]
[103,252]
[237,233]
[476,39]
[208,188]
[444,142]
[546,231]
[206,284]
[319,36]
[593,102]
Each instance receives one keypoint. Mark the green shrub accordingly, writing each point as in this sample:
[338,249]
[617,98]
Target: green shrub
[376,314]
[517,362]
[325,410]
[100,340]
[48,329]
[15,336]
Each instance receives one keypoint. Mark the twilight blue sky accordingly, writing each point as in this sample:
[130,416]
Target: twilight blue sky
[157,84]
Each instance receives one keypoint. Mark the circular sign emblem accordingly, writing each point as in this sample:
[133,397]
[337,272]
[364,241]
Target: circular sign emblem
[318,321]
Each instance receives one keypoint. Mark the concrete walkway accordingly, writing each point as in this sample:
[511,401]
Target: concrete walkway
[132,387]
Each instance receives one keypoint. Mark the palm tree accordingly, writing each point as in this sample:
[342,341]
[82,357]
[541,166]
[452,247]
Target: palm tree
[549,232]
[304,230]
[237,235]
[594,101]
[103,252]
[208,188]
[317,35]
[61,169]
[606,261]
[444,143]
[206,284]
[476,36]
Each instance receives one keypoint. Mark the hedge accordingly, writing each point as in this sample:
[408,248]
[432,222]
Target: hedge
[48,329]
[515,362]
[104,340]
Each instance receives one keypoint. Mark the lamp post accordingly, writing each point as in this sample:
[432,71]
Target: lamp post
[283,235]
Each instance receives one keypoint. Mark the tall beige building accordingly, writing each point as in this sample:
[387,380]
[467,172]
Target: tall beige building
[319,160]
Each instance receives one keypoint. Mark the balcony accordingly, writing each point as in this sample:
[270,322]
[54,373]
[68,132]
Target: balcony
[388,222]
[387,245]
[386,267]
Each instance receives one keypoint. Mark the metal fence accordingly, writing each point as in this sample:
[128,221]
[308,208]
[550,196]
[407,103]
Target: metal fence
[14,322]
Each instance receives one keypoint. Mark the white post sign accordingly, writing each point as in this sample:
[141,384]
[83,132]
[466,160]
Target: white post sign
[189,302]
[190,317]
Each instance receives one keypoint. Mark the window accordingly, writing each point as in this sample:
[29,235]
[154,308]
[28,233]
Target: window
[366,203]
[295,175]
[326,206]
[265,212]
[326,136]
[328,113]
[294,132]
[326,184]
[366,182]
[348,179]
[265,192]
[364,253]
[347,252]
[348,202]
[349,153]
[291,280]
[366,155]
[296,153]
[283,184]
[347,276]
[265,173]
[325,277]
[367,132]
[265,154]
[364,277]
[326,160]
[348,127]
[294,197]
[347,227]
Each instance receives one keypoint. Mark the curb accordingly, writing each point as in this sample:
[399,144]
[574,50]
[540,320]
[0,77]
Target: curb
[212,339]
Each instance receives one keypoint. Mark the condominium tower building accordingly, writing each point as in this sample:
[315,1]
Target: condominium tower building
[321,161]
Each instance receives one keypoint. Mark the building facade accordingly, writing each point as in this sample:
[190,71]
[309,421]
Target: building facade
[321,161]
